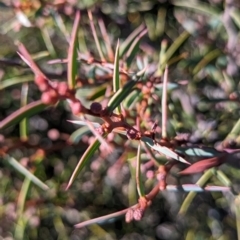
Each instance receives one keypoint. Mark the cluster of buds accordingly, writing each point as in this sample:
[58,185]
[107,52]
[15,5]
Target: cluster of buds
[54,91]
[136,213]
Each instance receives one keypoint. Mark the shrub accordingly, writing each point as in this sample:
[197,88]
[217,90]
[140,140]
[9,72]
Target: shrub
[154,88]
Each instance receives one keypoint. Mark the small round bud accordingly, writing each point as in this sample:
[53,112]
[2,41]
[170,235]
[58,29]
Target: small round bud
[43,87]
[96,107]
[53,93]
[39,79]
[41,82]
[49,97]
[62,88]
[76,107]
[233,96]
[46,98]
[53,134]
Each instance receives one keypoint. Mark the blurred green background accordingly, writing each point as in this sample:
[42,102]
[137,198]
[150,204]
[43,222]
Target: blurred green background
[199,40]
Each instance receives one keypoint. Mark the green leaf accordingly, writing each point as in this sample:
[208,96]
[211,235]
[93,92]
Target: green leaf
[134,48]
[77,135]
[83,161]
[95,36]
[116,79]
[172,49]
[201,182]
[40,55]
[123,92]
[72,53]
[140,186]
[131,54]
[164,150]
[235,14]
[132,98]
[26,111]
[237,214]
[21,222]
[98,92]
[24,122]
[223,178]
[15,80]
[198,152]
[92,127]
[206,59]
[198,6]
[161,20]
[235,132]
[59,23]
[127,43]
[48,41]
[15,164]
[162,57]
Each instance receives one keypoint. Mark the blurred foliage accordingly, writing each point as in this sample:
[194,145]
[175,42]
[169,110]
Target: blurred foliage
[40,149]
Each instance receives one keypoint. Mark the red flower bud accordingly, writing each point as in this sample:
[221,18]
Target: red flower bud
[46,98]
[39,79]
[42,83]
[76,107]
[62,88]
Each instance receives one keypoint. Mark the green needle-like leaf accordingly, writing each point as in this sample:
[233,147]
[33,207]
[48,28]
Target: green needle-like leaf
[15,164]
[223,178]
[201,182]
[72,53]
[76,136]
[237,213]
[83,161]
[173,48]
[123,92]
[26,111]
[132,98]
[116,79]
[127,43]
[22,220]
[235,14]
[48,41]
[234,132]
[134,48]
[140,187]
[24,122]
[198,6]
[206,59]
[15,80]
[95,36]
